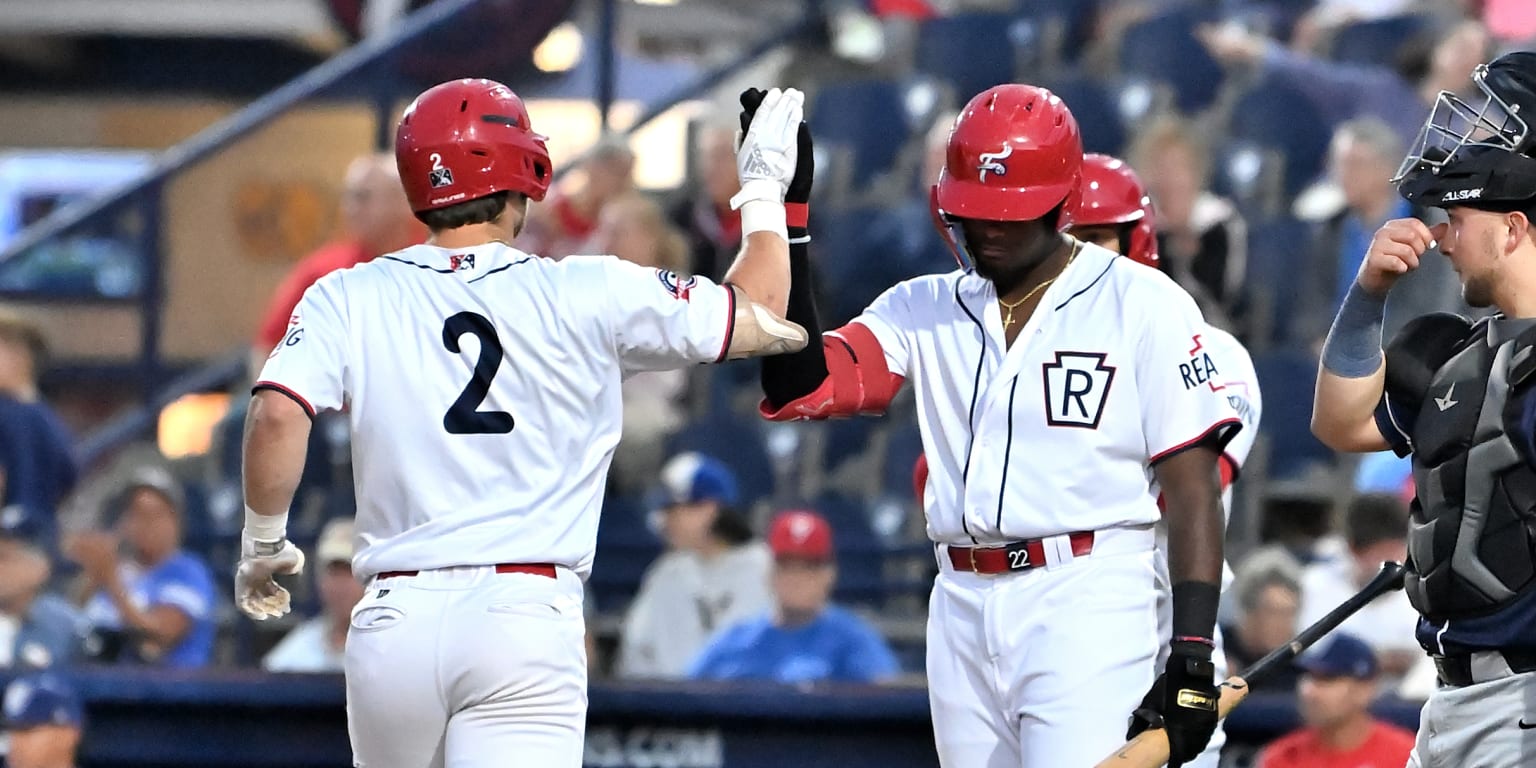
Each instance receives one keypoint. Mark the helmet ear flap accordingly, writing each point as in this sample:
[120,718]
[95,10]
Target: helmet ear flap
[945,228]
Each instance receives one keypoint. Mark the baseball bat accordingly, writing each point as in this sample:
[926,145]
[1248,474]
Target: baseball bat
[1150,747]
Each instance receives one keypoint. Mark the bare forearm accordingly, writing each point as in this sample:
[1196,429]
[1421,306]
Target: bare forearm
[1191,484]
[1196,531]
[761,270]
[276,441]
[1343,409]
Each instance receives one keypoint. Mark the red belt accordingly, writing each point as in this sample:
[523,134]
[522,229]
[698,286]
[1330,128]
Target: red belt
[537,569]
[1019,556]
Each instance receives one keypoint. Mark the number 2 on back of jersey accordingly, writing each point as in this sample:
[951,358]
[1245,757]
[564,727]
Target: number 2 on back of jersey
[464,417]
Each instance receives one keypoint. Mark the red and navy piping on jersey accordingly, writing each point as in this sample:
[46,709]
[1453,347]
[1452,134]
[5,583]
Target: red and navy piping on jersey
[442,271]
[309,410]
[730,322]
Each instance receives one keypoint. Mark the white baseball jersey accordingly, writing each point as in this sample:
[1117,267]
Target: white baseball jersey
[482,386]
[1058,432]
[1230,373]
[1232,376]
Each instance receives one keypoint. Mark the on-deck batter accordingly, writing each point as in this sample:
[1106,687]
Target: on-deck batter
[1116,212]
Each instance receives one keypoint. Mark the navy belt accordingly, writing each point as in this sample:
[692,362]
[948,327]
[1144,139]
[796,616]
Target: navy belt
[1458,669]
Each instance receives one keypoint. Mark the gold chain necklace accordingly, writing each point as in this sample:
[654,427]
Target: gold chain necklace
[1008,319]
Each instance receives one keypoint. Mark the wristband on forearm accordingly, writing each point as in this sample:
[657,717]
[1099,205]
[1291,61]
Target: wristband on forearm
[1353,347]
[265,533]
[1195,604]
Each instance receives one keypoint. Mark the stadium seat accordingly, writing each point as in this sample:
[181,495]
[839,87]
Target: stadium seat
[1250,175]
[902,448]
[1286,378]
[1376,42]
[1164,48]
[1276,249]
[1098,116]
[846,438]
[860,252]
[866,117]
[971,51]
[736,440]
[1062,28]
[1276,115]
[626,546]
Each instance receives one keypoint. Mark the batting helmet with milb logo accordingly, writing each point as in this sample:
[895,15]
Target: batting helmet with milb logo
[1015,154]
[467,139]
[1113,196]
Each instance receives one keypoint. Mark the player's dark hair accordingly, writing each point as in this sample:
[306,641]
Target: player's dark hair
[480,210]
[731,527]
[1372,518]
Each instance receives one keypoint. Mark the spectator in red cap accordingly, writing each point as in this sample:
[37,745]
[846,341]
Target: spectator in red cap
[804,639]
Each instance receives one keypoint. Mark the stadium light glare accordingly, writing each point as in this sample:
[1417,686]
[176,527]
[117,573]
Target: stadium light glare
[559,50]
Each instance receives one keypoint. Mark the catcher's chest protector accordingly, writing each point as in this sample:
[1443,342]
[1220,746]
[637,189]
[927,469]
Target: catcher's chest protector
[1472,535]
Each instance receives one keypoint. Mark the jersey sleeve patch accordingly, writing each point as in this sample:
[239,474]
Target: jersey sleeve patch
[675,284]
[1200,369]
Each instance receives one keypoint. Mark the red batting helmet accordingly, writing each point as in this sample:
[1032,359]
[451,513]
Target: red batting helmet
[1114,196]
[1014,155]
[466,139]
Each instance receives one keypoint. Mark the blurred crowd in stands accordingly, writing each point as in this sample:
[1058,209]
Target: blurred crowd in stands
[1267,131]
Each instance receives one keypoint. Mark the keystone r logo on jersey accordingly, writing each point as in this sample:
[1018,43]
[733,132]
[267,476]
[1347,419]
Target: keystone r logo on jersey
[1076,389]
[992,161]
[675,285]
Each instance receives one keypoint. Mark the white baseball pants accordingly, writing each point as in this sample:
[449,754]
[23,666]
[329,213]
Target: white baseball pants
[1481,725]
[465,667]
[1043,667]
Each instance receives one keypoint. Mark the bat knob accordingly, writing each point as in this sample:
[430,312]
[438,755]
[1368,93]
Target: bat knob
[1395,572]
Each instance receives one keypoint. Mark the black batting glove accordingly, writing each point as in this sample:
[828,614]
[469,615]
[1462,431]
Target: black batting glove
[1182,701]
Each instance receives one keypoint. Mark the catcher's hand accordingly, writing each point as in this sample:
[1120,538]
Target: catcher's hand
[257,593]
[767,152]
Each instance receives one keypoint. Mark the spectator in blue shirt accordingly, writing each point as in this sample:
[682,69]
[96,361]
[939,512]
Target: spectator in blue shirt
[37,629]
[1362,157]
[805,639]
[156,604]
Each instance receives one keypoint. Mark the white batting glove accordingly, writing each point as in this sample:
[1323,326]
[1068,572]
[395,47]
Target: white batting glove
[765,156]
[257,593]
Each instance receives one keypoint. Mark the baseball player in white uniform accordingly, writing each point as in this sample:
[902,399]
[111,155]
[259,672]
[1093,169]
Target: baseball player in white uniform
[1051,390]
[482,386]
[1116,212]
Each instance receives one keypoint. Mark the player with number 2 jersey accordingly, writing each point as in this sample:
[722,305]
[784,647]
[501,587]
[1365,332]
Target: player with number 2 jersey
[482,388]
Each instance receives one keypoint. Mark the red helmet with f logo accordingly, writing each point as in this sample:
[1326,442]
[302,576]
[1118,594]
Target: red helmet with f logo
[1015,154]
